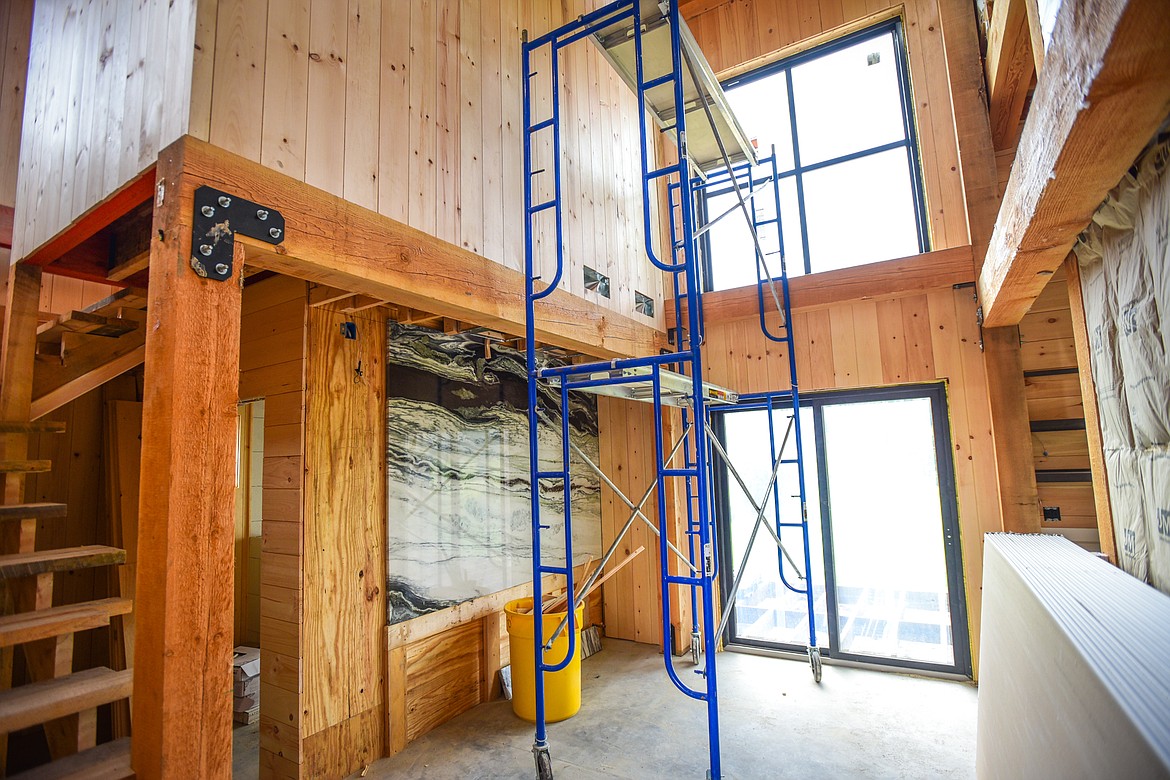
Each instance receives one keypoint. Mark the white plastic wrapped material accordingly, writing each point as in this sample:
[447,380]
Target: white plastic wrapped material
[1101,321]
[1139,338]
[1127,499]
[1156,476]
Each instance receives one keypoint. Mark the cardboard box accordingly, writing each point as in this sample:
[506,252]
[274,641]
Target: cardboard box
[246,663]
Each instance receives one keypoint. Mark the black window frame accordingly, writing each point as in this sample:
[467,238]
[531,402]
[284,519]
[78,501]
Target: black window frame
[909,142]
[952,531]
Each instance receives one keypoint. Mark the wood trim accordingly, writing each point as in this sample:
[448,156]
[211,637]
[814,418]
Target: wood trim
[1019,499]
[927,271]
[7,216]
[124,200]
[805,44]
[183,648]
[334,242]
[1104,91]
[1092,415]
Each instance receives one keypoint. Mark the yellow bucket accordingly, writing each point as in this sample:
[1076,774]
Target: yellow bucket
[562,689]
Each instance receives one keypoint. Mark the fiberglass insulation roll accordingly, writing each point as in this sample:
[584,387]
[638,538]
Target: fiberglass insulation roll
[1124,258]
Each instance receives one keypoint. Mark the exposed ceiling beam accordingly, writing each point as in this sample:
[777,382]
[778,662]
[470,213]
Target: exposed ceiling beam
[1104,91]
[338,244]
[1010,68]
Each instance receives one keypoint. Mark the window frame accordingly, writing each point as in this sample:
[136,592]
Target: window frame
[909,142]
[957,595]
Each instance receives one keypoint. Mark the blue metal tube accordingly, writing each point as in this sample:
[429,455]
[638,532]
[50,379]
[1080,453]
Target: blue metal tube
[610,365]
[541,740]
[582,21]
[568,486]
[680,123]
[558,213]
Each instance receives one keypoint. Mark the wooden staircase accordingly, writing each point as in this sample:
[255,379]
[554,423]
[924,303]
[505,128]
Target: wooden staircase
[46,365]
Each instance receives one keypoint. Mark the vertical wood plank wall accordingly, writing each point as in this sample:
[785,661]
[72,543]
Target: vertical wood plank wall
[919,337]
[740,35]
[413,109]
[272,367]
[344,705]
[15,34]
[108,88]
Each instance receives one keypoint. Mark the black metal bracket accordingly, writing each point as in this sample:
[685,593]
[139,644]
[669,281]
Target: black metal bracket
[218,217]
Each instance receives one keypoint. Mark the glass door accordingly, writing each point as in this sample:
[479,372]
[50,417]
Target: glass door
[883,530]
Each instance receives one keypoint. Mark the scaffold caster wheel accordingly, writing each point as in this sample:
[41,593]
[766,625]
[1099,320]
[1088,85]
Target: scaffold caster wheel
[814,662]
[544,770]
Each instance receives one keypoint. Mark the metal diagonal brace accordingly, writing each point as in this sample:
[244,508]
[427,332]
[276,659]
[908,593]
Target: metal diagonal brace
[613,547]
[759,509]
[735,183]
[630,504]
[727,609]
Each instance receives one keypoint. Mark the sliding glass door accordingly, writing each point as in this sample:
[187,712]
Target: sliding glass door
[886,575]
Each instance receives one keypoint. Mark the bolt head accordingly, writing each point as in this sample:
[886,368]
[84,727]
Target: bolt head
[221,269]
[274,232]
[205,250]
[261,214]
[208,211]
[225,201]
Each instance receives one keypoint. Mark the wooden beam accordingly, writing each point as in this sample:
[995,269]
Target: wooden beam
[336,243]
[1018,498]
[1103,93]
[183,647]
[928,271]
[1010,68]
[1080,330]
[123,201]
[1002,359]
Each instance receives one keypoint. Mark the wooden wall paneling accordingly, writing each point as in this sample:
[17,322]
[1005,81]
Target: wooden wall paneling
[395,115]
[362,102]
[491,75]
[443,677]
[345,536]
[286,87]
[81,102]
[275,309]
[447,128]
[471,178]
[919,351]
[511,102]
[17,19]
[422,70]
[203,68]
[869,356]
[327,119]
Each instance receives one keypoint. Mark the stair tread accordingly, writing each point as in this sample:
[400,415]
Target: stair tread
[57,621]
[34,511]
[107,761]
[25,466]
[63,559]
[35,426]
[40,702]
[84,324]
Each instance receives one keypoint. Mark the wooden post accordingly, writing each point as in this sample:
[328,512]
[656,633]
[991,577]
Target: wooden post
[183,649]
[1092,414]
[1019,502]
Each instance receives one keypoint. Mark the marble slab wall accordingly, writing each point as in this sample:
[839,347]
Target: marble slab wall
[459,515]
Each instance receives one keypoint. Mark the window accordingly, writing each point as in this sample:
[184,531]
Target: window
[840,119]
[885,557]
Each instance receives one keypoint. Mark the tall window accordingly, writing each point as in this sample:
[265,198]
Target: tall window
[840,117]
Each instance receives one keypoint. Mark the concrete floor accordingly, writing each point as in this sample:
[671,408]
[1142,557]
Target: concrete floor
[246,752]
[776,723]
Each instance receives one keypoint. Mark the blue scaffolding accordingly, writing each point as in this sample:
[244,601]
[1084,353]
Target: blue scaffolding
[633,33]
